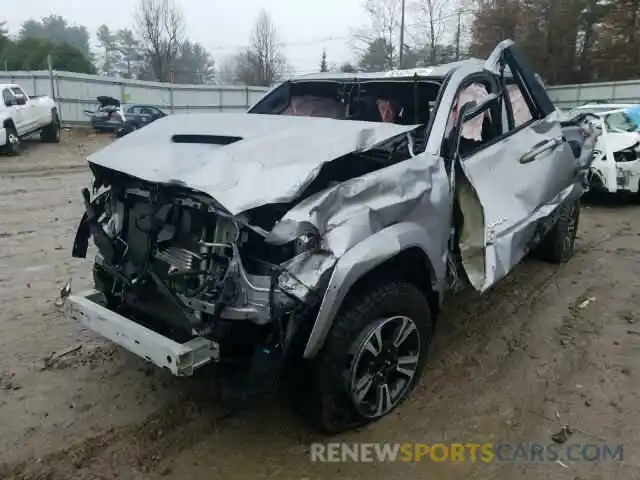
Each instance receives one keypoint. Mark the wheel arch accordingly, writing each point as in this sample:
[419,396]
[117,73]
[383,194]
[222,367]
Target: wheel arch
[8,123]
[405,250]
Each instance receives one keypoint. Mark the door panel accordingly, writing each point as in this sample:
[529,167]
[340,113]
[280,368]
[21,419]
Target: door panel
[19,119]
[514,198]
[29,113]
[520,180]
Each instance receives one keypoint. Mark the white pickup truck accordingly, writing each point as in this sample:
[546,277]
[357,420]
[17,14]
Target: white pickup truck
[21,115]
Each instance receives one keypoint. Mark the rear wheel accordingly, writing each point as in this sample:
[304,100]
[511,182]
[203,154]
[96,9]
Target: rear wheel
[51,133]
[14,145]
[371,359]
[126,128]
[559,244]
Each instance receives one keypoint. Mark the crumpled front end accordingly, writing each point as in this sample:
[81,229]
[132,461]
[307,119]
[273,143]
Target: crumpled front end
[627,162]
[616,163]
[343,216]
[179,262]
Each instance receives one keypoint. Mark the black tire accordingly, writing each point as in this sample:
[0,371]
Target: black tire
[559,244]
[51,133]
[322,392]
[126,129]
[13,147]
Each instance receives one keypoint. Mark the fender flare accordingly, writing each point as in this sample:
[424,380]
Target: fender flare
[54,114]
[4,118]
[362,259]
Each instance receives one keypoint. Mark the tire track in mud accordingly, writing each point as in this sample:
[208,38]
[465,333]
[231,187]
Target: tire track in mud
[195,417]
[140,446]
[42,171]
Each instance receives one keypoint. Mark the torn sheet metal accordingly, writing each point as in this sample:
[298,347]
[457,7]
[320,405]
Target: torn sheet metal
[353,210]
[415,190]
[258,160]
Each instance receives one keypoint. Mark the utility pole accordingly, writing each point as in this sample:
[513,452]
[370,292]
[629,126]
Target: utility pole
[458,35]
[50,68]
[401,35]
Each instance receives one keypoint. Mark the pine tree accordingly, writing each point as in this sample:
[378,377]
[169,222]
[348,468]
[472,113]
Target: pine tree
[324,67]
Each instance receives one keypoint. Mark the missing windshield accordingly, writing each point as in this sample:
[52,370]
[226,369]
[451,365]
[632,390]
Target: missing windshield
[401,102]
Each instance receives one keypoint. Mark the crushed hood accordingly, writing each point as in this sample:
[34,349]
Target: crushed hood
[241,160]
[618,141]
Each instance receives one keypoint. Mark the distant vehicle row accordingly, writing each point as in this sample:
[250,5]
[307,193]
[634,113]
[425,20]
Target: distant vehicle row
[112,117]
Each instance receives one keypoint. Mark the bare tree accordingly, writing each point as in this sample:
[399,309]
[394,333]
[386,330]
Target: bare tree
[433,19]
[384,18]
[264,54]
[161,28]
[228,69]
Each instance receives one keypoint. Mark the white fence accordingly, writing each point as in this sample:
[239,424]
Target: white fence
[568,96]
[75,92]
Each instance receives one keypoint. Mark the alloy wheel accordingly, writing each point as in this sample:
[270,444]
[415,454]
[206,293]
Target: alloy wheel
[384,365]
[14,141]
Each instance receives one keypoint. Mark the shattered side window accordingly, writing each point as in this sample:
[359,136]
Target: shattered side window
[314,106]
[521,112]
[620,121]
[472,129]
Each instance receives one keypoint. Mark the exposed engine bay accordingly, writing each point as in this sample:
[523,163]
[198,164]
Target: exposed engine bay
[186,266]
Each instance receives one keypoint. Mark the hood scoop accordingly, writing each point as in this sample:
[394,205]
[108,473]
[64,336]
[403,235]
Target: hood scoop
[205,139]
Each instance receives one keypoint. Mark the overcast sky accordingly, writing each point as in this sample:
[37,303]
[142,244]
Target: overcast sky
[222,26]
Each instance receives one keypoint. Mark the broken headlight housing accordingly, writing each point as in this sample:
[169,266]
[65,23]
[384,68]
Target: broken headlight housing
[630,154]
[306,242]
[304,236]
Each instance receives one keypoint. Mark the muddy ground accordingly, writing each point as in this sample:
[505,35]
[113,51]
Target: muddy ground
[549,341]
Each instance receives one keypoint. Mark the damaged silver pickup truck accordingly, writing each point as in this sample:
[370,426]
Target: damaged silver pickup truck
[318,233]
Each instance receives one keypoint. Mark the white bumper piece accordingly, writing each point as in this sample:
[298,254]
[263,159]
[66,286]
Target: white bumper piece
[3,136]
[181,359]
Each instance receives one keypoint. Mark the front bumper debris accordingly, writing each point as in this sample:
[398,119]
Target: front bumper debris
[181,359]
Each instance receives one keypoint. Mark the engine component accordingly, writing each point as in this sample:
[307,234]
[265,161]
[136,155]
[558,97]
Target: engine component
[179,259]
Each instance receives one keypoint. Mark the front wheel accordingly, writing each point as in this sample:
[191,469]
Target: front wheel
[14,145]
[51,133]
[371,359]
[126,128]
[559,244]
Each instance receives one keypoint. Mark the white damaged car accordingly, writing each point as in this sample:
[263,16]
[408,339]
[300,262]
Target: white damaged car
[616,158]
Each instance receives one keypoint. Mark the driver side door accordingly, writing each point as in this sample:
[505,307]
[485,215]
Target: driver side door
[29,110]
[509,188]
[16,112]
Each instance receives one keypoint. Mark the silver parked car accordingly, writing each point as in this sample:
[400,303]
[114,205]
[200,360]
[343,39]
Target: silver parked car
[316,234]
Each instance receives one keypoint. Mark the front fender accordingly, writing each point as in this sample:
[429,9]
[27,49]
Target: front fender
[4,115]
[363,258]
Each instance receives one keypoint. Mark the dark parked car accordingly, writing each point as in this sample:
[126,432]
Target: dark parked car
[109,115]
[137,116]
